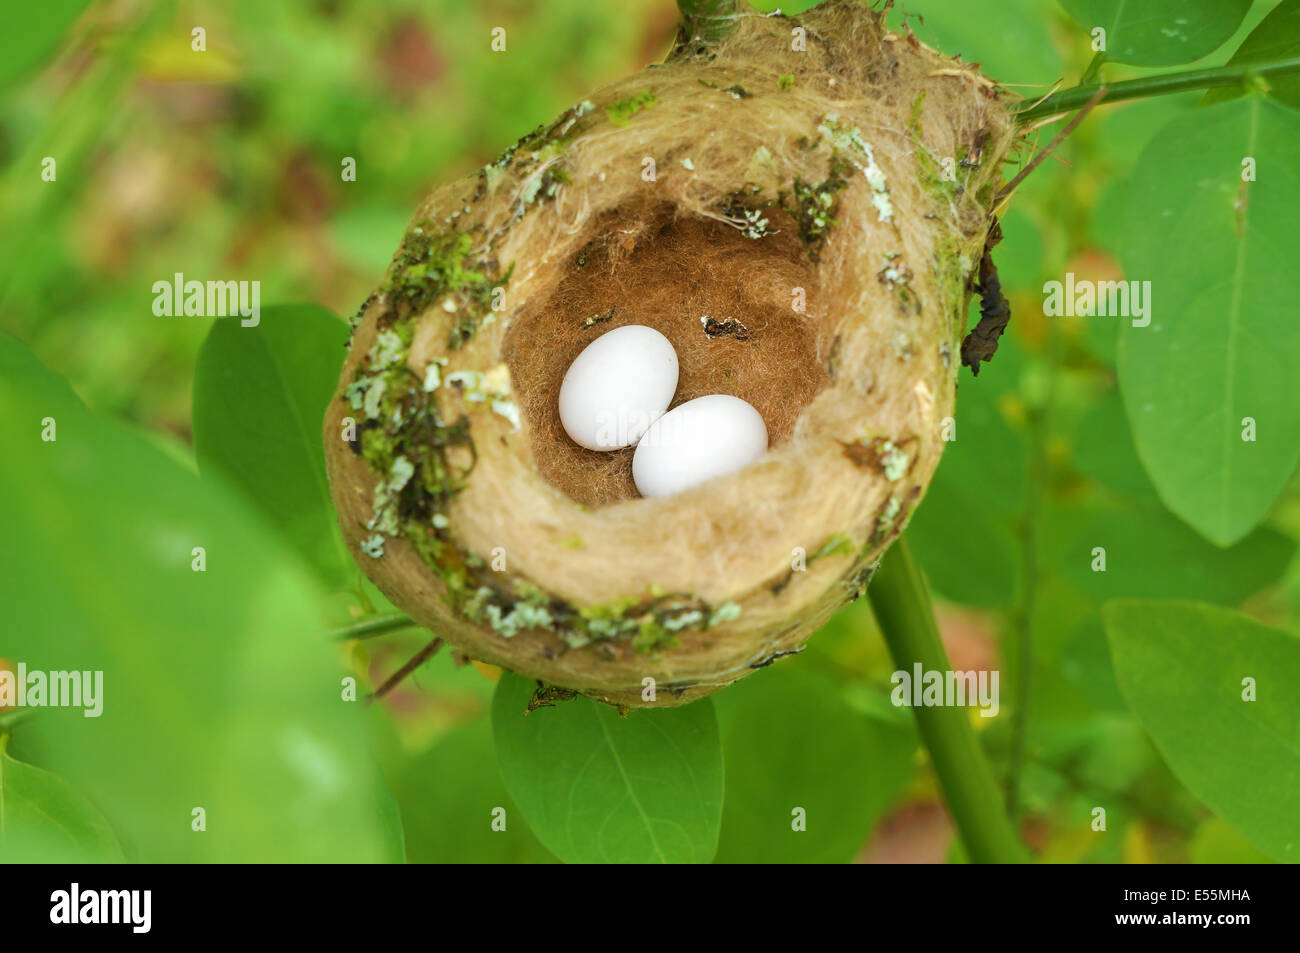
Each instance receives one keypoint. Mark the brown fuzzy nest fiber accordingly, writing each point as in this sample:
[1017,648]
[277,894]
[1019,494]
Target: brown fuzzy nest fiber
[807,241]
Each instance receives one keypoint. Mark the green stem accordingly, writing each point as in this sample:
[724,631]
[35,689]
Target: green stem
[359,587]
[378,625]
[708,20]
[1240,74]
[901,602]
[1093,71]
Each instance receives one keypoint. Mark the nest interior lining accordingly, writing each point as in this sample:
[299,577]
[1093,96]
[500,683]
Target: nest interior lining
[667,272]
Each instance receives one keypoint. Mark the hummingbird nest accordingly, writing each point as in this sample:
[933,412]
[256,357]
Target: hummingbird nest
[801,208]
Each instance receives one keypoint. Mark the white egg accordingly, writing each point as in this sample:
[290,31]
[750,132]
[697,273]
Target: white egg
[703,439]
[617,387]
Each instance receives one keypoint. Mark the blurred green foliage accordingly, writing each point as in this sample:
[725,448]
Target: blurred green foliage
[259,399]
[227,163]
[219,695]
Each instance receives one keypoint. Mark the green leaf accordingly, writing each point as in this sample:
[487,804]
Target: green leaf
[792,743]
[1008,38]
[1159,32]
[1276,37]
[1085,663]
[260,395]
[367,234]
[1020,253]
[599,788]
[1222,344]
[968,553]
[1215,842]
[32,33]
[1151,554]
[220,687]
[963,531]
[1104,446]
[44,821]
[448,796]
[1181,668]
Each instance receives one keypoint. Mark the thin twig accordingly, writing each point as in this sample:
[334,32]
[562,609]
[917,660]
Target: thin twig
[1055,88]
[376,625]
[396,678]
[1040,150]
[1037,160]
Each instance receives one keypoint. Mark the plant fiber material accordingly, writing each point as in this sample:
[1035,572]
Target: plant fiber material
[808,242]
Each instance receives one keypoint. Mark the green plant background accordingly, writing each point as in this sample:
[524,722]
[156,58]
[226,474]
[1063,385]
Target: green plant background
[224,689]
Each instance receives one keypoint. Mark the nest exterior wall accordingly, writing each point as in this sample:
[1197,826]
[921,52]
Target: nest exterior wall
[850,138]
